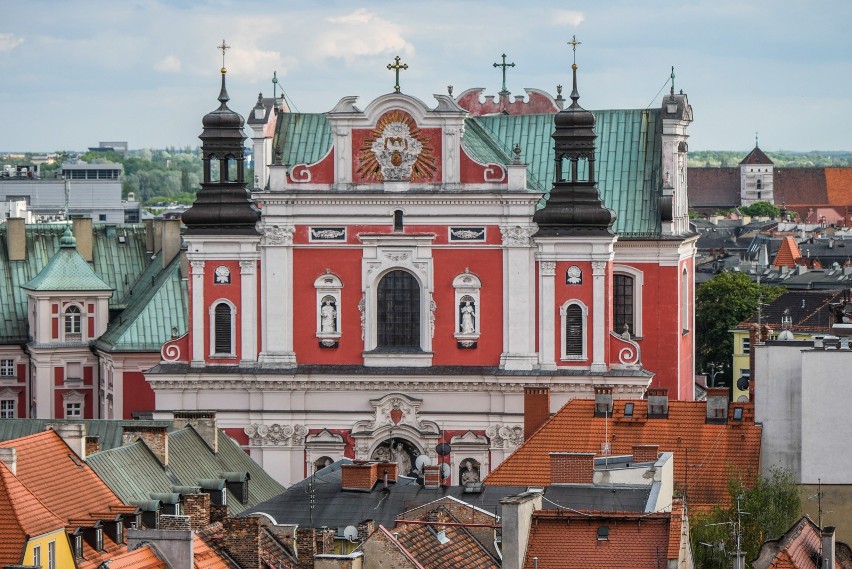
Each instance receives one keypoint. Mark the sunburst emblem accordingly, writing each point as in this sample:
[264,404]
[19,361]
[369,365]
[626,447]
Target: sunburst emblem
[397,151]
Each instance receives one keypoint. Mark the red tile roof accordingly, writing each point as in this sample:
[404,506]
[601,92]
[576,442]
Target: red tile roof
[756,156]
[22,516]
[714,451]
[563,540]
[51,471]
[798,548]
[788,253]
[142,558]
[714,187]
[800,186]
[838,182]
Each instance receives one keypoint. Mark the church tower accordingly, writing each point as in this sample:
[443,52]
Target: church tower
[756,177]
[575,243]
[222,247]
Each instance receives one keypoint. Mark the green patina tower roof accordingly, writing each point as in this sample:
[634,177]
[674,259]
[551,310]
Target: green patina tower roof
[67,270]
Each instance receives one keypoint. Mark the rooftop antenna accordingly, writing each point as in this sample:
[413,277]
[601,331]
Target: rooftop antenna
[818,496]
[671,93]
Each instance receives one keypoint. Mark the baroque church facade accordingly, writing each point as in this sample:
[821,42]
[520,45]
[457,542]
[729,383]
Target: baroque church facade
[405,275]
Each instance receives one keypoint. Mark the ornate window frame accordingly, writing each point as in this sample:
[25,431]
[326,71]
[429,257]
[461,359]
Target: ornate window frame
[74,321]
[9,397]
[638,284]
[584,312]
[328,287]
[212,316]
[383,253]
[467,286]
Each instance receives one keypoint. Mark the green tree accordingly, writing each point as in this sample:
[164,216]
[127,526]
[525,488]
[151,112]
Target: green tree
[768,508]
[720,304]
[761,209]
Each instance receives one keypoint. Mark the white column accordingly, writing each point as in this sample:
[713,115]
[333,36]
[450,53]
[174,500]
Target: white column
[518,299]
[599,335]
[277,295]
[198,319]
[248,320]
[546,314]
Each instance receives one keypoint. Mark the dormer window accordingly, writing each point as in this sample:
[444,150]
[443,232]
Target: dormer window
[78,546]
[99,539]
[73,323]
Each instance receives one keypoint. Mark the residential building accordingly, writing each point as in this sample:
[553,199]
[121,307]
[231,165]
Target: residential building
[804,546]
[421,266]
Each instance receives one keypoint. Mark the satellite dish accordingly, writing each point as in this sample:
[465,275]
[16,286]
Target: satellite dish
[443,449]
[742,383]
[350,533]
[421,461]
[445,471]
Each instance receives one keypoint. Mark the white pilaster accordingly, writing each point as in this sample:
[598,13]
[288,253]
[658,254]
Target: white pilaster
[546,314]
[518,299]
[248,320]
[198,320]
[599,332]
[277,295]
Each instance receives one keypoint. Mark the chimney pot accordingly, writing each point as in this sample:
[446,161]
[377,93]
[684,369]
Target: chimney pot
[74,435]
[572,467]
[155,437]
[603,401]
[204,423]
[536,408]
[9,457]
[16,239]
[828,545]
[646,453]
[717,405]
[658,402]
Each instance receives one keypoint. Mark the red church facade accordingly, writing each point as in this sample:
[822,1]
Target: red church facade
[396,283]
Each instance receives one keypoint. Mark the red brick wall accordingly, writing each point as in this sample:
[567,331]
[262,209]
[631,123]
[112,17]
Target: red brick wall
[572,467]
[197,507]
[645,453]
[536,408]
[241,538]
[359,476]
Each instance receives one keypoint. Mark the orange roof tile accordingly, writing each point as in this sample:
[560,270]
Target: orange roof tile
[22,516]
[142,558]
[796,549]
[51,471]
[562,540]
[788,253]
[714,451]
[205,556]
[838,182]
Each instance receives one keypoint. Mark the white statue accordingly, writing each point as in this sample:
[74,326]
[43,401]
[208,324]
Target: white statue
[470,474]
[468,318]
[328,315]
[401,458]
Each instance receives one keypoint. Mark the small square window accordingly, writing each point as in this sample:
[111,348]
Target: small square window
[73,410]
[603,533]
[7,368]
[101,217]
[738,413]
[628,409]
[7,409]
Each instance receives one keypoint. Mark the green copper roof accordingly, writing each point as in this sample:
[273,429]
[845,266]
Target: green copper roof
[629,155]
[108,431]
[628,158]
[115,263]
[67,270]
[157,304]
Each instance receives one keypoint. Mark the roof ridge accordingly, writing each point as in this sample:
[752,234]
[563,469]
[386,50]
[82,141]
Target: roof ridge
[7,478]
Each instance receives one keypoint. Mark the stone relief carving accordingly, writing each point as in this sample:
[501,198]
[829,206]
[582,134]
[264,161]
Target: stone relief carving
[505,436]
[395,410]
[276,434]
[548,268]
[598,268]
[197,267]
[433,307]
[247,267]
[362,305]
[277,235]
[516,235]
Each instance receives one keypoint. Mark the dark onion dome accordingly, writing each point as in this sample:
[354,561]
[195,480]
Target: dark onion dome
[574,206]
[223,205]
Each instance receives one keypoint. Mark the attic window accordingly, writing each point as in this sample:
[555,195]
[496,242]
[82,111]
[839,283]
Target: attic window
[738,413]
[122,239]
[628,409]
[603,533]
[78,546]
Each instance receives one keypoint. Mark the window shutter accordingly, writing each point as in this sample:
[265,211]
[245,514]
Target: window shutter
[574,331]
[223,329]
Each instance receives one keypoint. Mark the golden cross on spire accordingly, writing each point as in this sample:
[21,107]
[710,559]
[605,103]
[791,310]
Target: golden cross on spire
[223,47]
[396,67]
[574,43]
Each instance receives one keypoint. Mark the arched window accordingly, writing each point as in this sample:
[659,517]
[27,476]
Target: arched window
[223,330]
[622,303]
[574,330]
[73,321]
[398,308]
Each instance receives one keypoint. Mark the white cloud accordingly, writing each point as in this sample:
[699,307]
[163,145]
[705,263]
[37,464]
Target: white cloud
[8,42]
[169,64]
[568,18]
[361,33]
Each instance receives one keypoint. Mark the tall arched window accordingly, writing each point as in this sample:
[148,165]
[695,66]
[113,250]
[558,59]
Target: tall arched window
[398,311]
[684,300]
[622,303]
[574,340]
[73,321]
[222,329]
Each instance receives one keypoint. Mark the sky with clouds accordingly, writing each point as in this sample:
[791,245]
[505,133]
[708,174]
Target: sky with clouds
[146,71]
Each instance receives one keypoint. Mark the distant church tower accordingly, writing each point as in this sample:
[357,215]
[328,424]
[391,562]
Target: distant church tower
[223,247]
[756,175]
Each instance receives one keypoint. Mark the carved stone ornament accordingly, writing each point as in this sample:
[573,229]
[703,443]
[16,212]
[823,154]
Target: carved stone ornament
[223,275]
[247,267]
[598,268]
[362,306]
[396,411]
[433,307]
[574,275]
[197,267]
[276,434]
[548,268]
[505,436]
[277,235]
[516,235]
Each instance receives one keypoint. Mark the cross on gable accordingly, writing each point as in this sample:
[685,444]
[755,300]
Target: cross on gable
[396,66]
[504,65]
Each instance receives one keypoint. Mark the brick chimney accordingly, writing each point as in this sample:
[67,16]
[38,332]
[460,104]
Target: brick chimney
[646,453]
[197,508]
[241,539]
[9,457]
[536,408]
[93,445]
[310,542]
[204,423]
[658,402]
[603,401]
[74,435]
[717,405]
[155,438]
[828,545]
[572,467]
[358,476]
[171,240]
[82,228]
[432,476]
[517,514]
[16,239]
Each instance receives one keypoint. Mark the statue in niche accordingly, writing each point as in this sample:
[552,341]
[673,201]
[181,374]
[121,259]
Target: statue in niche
[469,472]
[328,316]
[467,324]
[401,458]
